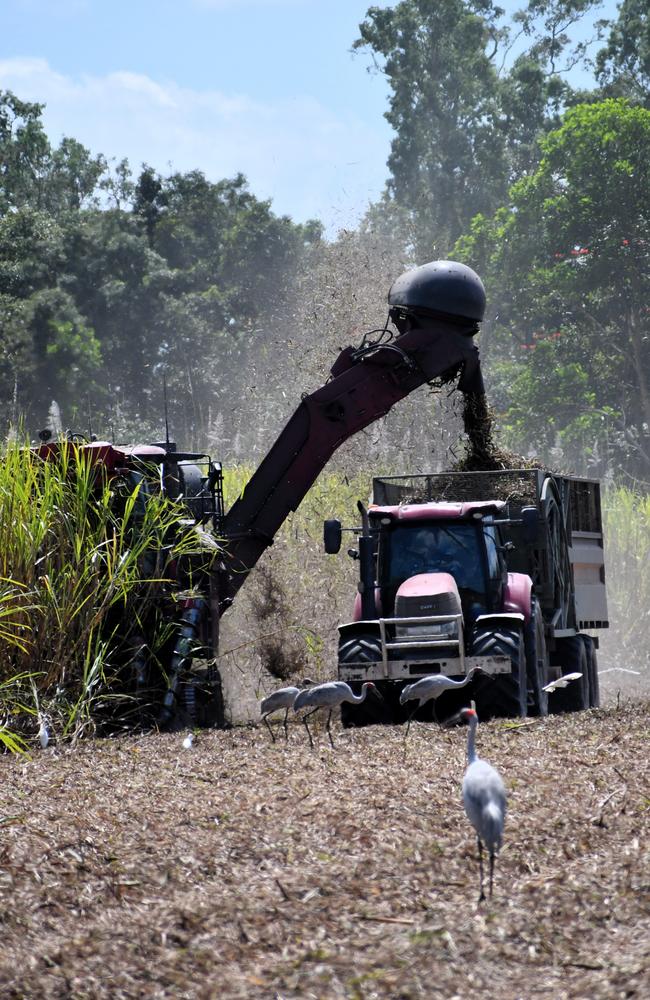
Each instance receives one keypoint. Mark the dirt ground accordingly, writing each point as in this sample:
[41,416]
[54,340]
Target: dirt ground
[137,868]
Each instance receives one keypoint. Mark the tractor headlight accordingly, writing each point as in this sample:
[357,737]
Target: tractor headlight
[434,630]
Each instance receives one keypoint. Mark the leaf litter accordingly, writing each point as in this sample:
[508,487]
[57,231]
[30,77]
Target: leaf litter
[132,867]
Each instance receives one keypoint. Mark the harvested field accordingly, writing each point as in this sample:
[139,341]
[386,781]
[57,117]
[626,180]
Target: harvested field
[133,867]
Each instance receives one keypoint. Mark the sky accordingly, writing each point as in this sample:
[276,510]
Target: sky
[269,88]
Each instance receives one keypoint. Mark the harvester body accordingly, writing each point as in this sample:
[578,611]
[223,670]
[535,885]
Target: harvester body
[501,571]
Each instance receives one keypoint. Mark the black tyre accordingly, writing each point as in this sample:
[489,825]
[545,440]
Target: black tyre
[592,671]
[537,662]
[364,647]
[501,694]
[572,656]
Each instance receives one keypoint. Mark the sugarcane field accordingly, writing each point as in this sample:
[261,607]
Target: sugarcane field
[325,501]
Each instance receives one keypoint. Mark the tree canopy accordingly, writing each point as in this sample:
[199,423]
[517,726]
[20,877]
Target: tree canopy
[112,285]
[567,261]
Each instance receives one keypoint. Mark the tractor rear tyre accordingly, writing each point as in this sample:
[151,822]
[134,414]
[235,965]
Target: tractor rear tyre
[501,694]
[365,647]
[575,697]
[537,662]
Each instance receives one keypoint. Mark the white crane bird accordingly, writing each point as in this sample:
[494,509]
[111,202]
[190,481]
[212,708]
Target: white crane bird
[484,798]
[430,687]
[329,695]
[282,698]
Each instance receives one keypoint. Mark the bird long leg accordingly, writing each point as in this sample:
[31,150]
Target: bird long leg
[329,731]
[433,711]
[408,726]
[265,720]
[480,868]
[304,719]
[491,871]
[286,725]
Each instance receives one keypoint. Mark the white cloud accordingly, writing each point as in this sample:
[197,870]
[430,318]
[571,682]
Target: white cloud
[310,161]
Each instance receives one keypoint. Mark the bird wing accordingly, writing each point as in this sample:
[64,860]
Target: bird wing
[483,787]
[282,698]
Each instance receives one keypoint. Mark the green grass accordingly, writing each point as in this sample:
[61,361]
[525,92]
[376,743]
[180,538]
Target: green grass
[81,559]
[626,516]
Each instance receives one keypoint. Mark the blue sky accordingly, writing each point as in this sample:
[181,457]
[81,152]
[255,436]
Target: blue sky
[266,87]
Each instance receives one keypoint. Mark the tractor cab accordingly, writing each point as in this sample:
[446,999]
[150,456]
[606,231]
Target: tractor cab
[420,547]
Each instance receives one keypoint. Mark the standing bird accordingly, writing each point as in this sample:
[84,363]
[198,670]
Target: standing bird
[430,687]
[484,798]
[283,698]
[329,695]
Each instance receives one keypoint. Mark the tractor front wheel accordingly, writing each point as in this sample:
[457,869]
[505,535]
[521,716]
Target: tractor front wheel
[364,648]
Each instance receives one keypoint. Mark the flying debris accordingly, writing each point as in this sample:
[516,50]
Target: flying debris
[562,682]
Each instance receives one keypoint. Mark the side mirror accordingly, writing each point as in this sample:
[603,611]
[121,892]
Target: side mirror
[332,536]
[530,521]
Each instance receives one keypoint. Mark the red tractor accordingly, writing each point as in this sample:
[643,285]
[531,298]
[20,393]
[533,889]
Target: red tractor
[497,572]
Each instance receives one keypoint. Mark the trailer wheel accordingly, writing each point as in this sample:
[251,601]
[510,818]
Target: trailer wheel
[501,694]
[592,671]
[575,697]
[537,662]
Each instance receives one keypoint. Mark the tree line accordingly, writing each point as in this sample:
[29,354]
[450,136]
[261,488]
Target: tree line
[118,288]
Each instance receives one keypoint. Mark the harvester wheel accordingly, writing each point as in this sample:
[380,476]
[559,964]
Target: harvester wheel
[572,655]
[537,662]
[501,694]
[592,671]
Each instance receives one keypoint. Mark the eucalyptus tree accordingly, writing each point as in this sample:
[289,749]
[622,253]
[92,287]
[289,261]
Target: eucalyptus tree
[567,262]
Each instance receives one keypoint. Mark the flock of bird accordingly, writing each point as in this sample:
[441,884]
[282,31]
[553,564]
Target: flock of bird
[484,794]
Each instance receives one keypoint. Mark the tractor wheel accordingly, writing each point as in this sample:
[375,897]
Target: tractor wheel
[363,648]
[501,694]
[572,655]
[374,711]
[592,671]
[537,662]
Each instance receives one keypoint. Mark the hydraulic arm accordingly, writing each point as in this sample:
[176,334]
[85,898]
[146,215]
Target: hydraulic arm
[364,384]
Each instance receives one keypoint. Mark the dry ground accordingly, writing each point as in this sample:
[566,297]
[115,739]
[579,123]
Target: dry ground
[136,868]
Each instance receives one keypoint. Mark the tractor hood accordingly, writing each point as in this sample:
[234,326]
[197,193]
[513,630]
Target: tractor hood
[428,594]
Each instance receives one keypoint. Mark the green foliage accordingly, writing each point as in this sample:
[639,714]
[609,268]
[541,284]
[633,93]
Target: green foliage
[447,157]
[626,517]
[82,566]
[466,115]
[566,262]
[623,65]
[101,302]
